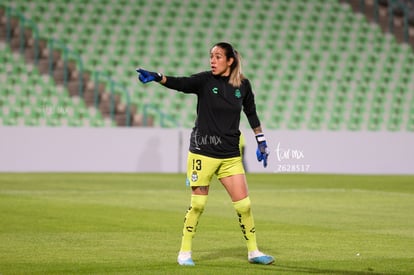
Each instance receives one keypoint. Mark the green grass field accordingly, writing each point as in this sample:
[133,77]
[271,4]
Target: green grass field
[131,224]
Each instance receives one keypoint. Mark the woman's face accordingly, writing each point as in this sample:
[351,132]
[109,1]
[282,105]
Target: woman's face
[219,63]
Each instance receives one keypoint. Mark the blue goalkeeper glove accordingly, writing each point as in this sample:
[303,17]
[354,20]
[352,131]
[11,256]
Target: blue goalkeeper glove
[262,151]
[147,76]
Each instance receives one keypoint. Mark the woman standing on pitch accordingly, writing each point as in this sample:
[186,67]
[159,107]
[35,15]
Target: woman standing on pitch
[223,92]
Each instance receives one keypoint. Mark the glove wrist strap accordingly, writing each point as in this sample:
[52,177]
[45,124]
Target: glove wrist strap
[260,137]
[158,77]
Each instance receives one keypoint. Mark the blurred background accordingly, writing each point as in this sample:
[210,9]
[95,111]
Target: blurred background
[315,66]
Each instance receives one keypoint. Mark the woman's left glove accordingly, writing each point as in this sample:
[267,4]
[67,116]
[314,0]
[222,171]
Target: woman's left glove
[262,151]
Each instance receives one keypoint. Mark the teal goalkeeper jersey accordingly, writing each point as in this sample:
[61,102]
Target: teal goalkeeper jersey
[219,104]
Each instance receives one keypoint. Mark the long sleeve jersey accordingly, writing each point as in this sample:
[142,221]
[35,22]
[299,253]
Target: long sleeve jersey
[219,104]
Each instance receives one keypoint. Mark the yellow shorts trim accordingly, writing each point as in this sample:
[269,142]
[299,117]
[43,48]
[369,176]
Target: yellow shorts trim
[200,169]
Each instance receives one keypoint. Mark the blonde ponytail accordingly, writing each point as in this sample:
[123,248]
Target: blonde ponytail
[236,74]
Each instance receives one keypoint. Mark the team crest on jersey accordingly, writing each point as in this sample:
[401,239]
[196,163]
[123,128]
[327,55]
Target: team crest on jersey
[237,93]
[194,176]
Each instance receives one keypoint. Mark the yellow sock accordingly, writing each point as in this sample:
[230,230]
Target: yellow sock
[244,211]
[191,220]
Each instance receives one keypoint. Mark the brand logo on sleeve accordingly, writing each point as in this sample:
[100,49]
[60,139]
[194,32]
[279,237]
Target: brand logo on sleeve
[214,90]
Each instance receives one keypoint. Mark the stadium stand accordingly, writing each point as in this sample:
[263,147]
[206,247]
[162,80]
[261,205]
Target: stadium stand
[313,64]
[393,16]
[30,99]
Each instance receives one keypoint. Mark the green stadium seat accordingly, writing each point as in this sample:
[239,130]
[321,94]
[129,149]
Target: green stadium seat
[30,120]
[355,123]
[316,121]
[410,122]
[9,121]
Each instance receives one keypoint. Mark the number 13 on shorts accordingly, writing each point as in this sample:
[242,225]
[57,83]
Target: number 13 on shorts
[195,169]
[197,175]
[197,164]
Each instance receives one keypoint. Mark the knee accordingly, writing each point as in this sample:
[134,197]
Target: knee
[198,203]
[242,206]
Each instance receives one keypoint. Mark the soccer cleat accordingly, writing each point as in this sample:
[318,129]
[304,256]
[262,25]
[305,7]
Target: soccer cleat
[257,257]
[184,258]
[266,259]
[188,262]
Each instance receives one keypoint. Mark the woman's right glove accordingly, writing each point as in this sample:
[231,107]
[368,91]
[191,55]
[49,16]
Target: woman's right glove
[147,76]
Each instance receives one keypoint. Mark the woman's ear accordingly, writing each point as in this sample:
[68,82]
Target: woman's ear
[230,61]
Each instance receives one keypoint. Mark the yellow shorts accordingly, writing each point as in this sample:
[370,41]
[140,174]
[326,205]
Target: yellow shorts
[200,169]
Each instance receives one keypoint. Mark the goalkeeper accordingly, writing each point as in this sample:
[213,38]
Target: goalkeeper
[222,93]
